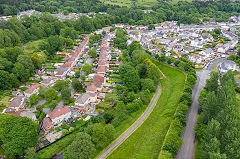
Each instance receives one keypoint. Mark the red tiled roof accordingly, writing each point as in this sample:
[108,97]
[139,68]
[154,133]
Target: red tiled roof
[68,64]
[101,68]
[58,112]
[32,88]
[17,113]
[47,123]
[91,87]
[98,78]
[60,72]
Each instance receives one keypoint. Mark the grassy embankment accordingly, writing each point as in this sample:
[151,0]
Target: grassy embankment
[147,140]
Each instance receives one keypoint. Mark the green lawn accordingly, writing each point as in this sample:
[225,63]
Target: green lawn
[147,140]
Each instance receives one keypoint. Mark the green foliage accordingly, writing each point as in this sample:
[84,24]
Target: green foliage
[76,84]
[61,84]
[129,76]
[87,68]
[34,99]
[121,39]
[66,93]
[65,132]
[82,147]
[219,111]
[17,134]
[147,83]
[92,53]
[50,94]
[101,134]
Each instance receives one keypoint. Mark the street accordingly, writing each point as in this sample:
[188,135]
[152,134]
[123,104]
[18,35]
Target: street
[188,147]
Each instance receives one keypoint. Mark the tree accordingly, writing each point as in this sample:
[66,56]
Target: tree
[53,104]
[81,147]
[21,73]
[50,94]
[134,46]
[87,68]
[83,77]
[129,76]
[66,93]
[33,99]
[17,134]
[147,83]
[92,53]
[31,154]
[41,91]
[60,85]
[37,61]
[77,74]
[4,80]
[101,134]
[26,61]
[76,84]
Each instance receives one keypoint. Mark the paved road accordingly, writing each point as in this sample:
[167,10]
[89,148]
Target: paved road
[187,149]
[133,127]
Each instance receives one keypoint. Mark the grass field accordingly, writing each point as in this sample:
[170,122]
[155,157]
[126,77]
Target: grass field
[145,3]
[147,140]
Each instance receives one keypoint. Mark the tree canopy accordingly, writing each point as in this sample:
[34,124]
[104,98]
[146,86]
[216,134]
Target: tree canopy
[17,134]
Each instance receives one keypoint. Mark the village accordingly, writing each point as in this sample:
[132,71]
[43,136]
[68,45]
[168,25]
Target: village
[99,78]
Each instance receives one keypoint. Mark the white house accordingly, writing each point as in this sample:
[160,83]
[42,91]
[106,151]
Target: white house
[32,90]
[59,115]
[84,99]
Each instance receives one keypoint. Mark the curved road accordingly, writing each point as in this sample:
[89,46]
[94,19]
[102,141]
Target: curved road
[187,149]
[133,127]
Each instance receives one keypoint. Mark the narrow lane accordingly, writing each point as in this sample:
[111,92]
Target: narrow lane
[125,135]
[187,149]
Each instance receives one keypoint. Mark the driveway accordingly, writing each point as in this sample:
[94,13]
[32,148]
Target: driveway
[188,147]
[125,135]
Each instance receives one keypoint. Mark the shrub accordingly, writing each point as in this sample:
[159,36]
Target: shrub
[173,143]
[64,132]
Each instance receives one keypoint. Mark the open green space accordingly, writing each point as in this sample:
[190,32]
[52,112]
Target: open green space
[146,3]
[32,47]
[146,141]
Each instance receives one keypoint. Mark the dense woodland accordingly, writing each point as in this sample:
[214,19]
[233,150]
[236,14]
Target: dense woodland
[184,12]
[218,127]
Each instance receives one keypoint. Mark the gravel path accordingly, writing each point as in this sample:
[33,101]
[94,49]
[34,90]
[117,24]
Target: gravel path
[126,134]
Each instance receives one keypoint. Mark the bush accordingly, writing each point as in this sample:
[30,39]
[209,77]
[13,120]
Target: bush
[148,83]
[71,129]
[186,97]
[64,132]
[173,143]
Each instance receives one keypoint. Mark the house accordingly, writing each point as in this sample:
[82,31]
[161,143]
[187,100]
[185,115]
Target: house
[99,78]
[59,115]
[49,82]
[91,88]
[16,104]
[47,124]
[101,69]
[32,90]
[148,11]
[84,99]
